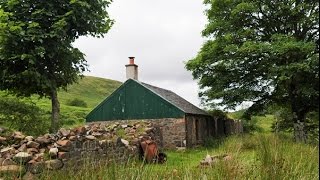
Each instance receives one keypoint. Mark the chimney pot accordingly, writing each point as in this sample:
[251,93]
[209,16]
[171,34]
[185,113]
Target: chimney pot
[131,60]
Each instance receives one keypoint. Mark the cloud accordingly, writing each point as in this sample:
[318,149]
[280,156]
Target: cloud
[162,35]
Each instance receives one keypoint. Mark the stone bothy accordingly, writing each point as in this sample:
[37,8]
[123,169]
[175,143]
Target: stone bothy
[179,122]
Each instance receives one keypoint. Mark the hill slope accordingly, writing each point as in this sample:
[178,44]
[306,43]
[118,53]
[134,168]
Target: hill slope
[91,90]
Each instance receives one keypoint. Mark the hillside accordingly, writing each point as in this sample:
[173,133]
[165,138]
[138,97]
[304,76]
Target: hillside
[90,90]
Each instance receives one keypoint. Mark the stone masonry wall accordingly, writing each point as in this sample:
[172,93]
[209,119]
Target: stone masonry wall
[169,133]
[173,132]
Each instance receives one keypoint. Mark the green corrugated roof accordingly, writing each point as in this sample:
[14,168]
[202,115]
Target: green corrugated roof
[138,100]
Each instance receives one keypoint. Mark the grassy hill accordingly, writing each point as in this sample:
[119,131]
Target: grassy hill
[90,90]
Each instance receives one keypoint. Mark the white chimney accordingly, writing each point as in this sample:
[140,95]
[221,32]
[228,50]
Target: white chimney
[132,69]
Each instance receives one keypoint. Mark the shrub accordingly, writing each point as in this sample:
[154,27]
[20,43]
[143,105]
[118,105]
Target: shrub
[23,116]
[218,113]
[250,126]
[77,102]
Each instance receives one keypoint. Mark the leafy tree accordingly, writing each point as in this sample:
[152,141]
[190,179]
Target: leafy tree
[36,51]
[264,51]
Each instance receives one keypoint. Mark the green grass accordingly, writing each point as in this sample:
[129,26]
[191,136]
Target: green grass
[260,156]
[91,90]
[263,122]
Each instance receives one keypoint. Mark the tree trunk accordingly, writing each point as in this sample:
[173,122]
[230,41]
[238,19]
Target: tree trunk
[300,133]
[299,112]
[55,111]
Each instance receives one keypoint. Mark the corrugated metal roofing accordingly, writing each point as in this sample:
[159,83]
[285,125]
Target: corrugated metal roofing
[132,100]
[138,100]
[175,99]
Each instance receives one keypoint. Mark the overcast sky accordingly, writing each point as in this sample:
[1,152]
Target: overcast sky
[162,35]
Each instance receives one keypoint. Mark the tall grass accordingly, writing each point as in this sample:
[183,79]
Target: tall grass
[281,159]
[252,157]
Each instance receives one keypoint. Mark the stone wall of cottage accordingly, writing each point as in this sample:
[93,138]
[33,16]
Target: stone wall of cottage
[169,133]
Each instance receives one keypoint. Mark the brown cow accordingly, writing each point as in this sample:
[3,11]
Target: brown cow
[151,153]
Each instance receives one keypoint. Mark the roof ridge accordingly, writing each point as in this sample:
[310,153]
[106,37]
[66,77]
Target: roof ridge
[157,87]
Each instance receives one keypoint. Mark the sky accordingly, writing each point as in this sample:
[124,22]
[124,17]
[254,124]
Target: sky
[161,35]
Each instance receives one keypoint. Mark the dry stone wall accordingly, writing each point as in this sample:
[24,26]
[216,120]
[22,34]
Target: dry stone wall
[93,142]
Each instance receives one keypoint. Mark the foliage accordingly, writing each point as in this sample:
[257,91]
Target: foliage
[22,116]
[260,51]
[284,123]
[312,125]
[77,102]
[36,54]
[236,114]
[250,126]
[36,39]
[218,113]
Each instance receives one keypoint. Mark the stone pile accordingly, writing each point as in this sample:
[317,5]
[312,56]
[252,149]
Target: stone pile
[21,153]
